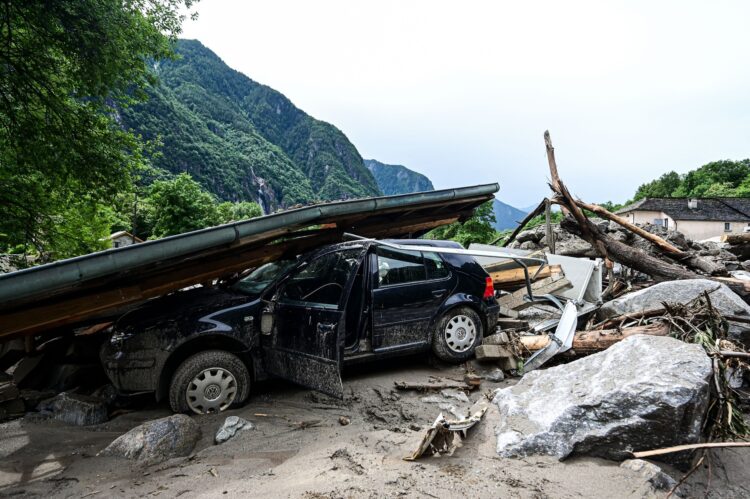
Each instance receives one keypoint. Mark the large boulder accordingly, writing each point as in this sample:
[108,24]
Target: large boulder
[642,393]
[724,299]
[157,441]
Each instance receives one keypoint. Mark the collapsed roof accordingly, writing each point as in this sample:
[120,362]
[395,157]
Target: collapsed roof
[101,285]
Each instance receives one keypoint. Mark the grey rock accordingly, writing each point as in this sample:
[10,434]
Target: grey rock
[158,440]
[575,246]
[644,392]
[528,245]
[75,409]
[495,376]
[531,235]
[230,427]
[651,473]
[723,298]
[745,265]
[455,394]
[741,274]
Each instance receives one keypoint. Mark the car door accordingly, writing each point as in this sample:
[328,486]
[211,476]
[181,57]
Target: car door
[408,289]
[305,341]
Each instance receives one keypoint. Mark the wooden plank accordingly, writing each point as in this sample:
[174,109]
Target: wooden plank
[516,276]
[546,286]
[743,238]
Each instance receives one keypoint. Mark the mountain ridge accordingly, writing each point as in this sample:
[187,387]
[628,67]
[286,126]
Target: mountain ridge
[244,141]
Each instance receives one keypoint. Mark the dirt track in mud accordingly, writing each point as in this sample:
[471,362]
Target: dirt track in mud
[299,449]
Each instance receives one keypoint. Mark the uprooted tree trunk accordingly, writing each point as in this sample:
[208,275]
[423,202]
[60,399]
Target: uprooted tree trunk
[610,249]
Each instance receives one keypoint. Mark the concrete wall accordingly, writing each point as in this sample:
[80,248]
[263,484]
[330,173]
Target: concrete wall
[693,229]
[648,217]
[698,229]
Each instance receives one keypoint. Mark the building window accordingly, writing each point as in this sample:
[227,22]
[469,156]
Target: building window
[117,244]
[666,223]
[727,227]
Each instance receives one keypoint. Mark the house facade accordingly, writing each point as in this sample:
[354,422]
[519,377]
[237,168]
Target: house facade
[697,218]
[123,238]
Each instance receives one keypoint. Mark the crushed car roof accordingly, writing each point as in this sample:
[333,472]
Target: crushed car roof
[94,287]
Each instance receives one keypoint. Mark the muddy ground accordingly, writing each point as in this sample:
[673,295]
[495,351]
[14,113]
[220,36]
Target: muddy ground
[299,449]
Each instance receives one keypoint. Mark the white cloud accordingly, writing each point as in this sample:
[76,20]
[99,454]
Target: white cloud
[462,91]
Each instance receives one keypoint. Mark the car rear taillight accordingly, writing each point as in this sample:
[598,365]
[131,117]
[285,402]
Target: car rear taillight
[489,288]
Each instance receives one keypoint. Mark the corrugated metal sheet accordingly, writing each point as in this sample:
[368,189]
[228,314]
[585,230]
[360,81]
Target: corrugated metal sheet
[91,286]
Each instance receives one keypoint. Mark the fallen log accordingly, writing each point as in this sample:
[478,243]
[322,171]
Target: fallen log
[743,238]
[692,261]
[596,341]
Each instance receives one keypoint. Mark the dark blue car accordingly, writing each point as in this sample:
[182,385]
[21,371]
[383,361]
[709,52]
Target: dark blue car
[299,319]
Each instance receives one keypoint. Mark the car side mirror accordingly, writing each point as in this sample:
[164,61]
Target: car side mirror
[266,321]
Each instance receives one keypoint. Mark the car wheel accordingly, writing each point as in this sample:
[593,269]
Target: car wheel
[209,382]
[457,334]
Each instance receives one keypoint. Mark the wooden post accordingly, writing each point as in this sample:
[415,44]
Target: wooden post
[548,226]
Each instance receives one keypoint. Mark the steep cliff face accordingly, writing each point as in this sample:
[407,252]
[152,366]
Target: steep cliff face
[398,179]
[242,140]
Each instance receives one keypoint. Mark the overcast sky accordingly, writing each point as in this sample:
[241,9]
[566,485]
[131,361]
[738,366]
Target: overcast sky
[463,91]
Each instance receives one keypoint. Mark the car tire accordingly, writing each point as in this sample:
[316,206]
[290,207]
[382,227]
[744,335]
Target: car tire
[457,333]
[209,382]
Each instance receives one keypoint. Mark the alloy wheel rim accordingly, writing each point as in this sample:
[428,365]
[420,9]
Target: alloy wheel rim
[460,333]
[211,391]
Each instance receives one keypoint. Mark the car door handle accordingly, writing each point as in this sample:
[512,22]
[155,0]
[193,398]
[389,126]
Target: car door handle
[438,292]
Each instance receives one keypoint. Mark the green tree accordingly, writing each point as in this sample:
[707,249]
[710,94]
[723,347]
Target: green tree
[179,205]
[65,67]
[234,212]
[477,229]
[663,187]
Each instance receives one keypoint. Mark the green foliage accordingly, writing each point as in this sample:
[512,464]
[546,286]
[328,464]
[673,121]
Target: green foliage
[477,229]
[63,155]
[179,205]
[235,212]
[723,178]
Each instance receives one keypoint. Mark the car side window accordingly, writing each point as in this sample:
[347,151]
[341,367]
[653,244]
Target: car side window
[399,267]
[435,266]
[322,280]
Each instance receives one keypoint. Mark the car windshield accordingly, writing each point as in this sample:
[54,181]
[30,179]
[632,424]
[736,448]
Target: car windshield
[260,278]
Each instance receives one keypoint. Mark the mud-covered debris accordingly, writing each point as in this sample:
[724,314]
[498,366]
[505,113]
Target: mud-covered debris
[424,387]
[344,421]
[495,376]
[75,409]
[445,436]
[455,394]
[231,426]
[651,473]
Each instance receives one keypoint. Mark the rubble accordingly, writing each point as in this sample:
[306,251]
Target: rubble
[75,409]
[684,291]
[651,473]
[230,427]
[642,392]
[156,441]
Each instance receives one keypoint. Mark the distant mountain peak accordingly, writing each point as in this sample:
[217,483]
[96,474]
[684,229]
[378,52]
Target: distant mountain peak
[398,179]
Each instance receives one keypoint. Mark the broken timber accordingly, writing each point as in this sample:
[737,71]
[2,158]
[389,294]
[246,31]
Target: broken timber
[516,277]
[549,285]
[596,341]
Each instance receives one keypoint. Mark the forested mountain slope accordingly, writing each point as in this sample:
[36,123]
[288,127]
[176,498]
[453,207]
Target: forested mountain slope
[398,179]
[242,140]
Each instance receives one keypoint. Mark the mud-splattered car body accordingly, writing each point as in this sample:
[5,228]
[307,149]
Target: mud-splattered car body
[300,318]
